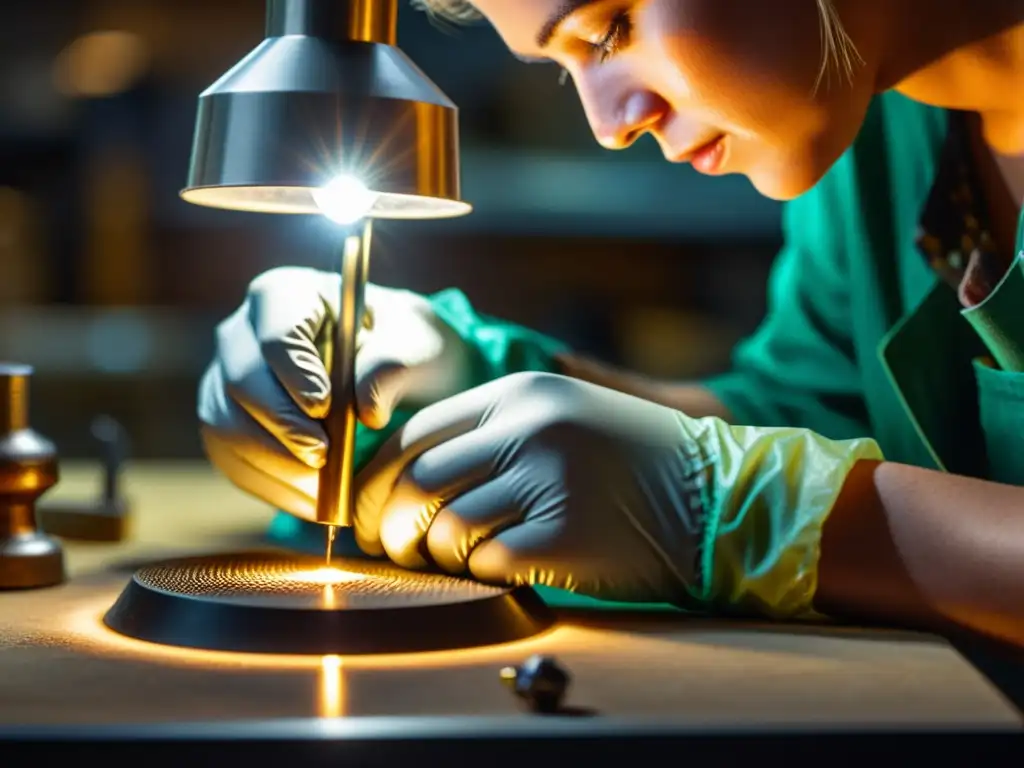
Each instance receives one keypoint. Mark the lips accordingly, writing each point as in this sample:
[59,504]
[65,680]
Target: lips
[706,158]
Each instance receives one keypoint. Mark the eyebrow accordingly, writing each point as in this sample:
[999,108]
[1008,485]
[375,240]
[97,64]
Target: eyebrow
[565,10]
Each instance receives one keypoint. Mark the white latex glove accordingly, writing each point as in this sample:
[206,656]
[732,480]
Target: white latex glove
[542,479]
[263,396]
[539,478]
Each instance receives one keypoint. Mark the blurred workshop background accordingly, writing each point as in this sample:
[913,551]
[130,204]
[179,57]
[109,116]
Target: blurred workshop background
[111,286]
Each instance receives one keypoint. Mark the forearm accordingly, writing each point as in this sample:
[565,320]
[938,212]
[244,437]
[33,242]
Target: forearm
[691,399]
[922,548]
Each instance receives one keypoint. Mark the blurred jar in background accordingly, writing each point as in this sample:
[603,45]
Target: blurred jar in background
[22,257]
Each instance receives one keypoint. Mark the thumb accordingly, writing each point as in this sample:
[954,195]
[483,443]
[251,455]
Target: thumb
[381,383]
[291,312]
[400,355]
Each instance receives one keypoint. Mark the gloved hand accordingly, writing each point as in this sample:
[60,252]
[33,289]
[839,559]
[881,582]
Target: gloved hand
[543,479]
[262,399]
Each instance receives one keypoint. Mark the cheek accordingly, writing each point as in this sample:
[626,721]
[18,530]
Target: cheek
[733,59]
[783,175]
[756,81]
[784,164]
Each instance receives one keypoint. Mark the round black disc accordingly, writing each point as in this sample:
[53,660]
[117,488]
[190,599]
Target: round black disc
[266,602]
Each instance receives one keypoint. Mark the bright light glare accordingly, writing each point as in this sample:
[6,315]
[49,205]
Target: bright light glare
[345,200]
[326,576]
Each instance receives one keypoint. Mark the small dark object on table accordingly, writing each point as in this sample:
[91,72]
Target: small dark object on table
[541,682]
[106,518]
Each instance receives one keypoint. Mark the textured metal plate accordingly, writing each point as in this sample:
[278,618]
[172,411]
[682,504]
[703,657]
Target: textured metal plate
[290,581]
[267,602]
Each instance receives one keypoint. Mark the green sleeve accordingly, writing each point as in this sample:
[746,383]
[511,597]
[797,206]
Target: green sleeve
[499,347]
[798,369]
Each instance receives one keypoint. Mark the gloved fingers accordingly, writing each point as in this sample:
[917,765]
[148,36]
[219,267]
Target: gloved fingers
[247,379]
[522,554]
[430,427]
[448,418]
[381,382]
[454,466]
[429,482]
[290,309]
[220,414]
[260,479]
[229,424]
[258,449]
[476,516]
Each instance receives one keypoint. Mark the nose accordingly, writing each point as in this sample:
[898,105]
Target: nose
[635,115]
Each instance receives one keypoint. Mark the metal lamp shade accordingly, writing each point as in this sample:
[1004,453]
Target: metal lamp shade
[313,102]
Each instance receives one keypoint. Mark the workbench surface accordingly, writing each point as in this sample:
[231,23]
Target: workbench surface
[60,666]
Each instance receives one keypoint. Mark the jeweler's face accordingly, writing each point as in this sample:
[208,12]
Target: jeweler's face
[737,74]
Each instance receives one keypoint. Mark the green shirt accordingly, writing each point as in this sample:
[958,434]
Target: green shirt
[862,335]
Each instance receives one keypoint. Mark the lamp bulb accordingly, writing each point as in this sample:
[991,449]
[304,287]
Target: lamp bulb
[344,200]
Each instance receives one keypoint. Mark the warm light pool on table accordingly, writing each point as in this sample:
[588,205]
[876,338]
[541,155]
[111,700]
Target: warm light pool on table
[290,532]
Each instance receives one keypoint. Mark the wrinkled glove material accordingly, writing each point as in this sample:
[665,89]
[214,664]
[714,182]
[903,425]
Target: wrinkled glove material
[771,491]
[763,494]
[499,348]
